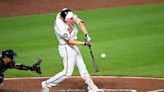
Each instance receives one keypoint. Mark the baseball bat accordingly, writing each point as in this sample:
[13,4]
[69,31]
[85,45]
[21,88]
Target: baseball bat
[94,61]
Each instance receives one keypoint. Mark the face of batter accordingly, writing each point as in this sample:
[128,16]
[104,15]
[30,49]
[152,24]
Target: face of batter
[70,21]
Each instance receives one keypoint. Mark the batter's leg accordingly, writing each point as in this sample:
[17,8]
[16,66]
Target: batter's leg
[84,73]
[69,64]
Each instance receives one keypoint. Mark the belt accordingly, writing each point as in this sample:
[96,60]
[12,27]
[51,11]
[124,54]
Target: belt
[63,44]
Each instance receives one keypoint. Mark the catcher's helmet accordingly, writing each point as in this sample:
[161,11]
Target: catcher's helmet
[9,53]
[64,12]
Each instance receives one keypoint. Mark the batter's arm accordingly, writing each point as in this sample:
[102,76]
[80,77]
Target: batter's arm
[84,30]
[83,27]
[75,42]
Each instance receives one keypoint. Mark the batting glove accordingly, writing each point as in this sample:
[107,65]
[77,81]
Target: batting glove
[88,43]
[87,38]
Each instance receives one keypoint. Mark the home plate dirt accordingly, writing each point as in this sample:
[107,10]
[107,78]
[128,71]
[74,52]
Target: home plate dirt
[10,8]
[76,84]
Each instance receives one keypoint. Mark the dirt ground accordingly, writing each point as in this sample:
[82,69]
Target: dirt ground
[28,7]
[10,8]
[76,84]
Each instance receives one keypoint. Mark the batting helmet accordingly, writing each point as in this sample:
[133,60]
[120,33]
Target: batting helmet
[65,12]
[9,53]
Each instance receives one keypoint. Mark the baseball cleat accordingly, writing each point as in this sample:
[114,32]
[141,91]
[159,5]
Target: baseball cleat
[94,89]
[44,87]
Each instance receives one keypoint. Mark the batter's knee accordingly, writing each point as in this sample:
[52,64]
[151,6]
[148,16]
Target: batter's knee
[67,73]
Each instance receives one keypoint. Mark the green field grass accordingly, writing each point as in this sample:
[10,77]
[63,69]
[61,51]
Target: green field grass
[132,38]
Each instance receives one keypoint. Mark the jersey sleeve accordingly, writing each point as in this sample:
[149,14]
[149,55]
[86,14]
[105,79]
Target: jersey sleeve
[77,20]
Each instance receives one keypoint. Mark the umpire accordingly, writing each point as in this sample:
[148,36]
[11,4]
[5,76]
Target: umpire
[7,60]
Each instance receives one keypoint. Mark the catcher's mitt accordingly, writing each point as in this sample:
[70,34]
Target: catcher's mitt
[36,66]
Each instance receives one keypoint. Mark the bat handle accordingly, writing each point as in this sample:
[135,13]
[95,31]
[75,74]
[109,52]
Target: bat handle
[89,46]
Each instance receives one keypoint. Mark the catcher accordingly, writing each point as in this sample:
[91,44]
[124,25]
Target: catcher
[7,60]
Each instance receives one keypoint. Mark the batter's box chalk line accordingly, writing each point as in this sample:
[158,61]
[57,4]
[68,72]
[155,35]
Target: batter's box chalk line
[72,90]
[158,90]
[105,90]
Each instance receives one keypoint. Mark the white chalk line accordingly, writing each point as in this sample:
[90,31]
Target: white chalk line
[105,90]
[72,90]
[129,90]
[119,77]
[159,90]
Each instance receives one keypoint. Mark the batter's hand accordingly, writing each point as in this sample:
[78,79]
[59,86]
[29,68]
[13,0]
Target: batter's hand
[87,38]
[88,43]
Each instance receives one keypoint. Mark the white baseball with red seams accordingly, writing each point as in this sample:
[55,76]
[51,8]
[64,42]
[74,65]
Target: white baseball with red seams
[70,54]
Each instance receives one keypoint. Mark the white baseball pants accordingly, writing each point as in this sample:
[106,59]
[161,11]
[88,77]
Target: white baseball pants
[71,57]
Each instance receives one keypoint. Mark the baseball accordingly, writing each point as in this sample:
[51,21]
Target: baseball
[103,55]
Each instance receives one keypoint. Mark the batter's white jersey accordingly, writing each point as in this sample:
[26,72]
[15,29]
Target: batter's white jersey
[70,54]
[63,31]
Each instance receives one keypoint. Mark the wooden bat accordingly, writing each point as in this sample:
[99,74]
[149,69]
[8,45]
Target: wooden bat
[94,61]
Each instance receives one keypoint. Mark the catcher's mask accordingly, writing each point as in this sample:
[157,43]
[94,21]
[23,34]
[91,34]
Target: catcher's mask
[9,53]
[66,13]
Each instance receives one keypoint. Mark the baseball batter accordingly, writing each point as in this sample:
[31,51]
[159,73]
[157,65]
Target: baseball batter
[66,32]
[7,60]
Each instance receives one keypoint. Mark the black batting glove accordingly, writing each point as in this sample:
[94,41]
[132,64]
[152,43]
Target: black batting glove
[87,43]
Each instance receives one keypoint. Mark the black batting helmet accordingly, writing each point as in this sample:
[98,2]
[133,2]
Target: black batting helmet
[64,12]
[9,53]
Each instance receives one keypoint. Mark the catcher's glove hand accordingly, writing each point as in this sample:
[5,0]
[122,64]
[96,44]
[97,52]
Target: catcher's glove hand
[36,66]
